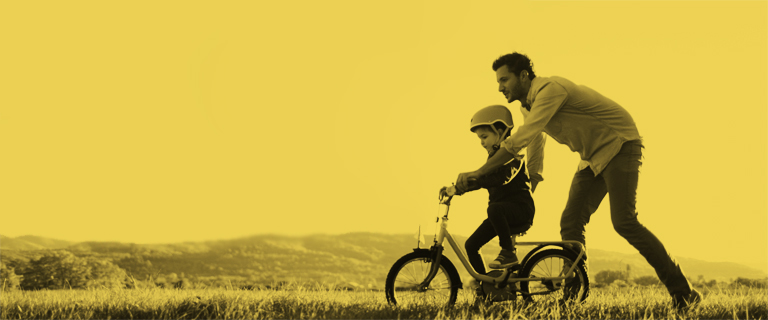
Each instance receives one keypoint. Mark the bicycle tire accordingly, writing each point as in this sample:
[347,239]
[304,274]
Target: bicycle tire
[410,270]
[550,263]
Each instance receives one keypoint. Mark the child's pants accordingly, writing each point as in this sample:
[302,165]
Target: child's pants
[504,219]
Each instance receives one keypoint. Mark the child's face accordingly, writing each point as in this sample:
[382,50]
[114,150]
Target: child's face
[487,137]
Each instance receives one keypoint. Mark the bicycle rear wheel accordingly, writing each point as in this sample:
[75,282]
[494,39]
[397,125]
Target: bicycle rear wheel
[403,286]
[554,263]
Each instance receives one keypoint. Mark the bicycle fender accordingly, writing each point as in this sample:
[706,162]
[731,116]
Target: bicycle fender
[532,252]
[541,247]
[569,249]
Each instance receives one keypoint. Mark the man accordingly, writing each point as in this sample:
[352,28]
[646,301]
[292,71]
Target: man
[606,137]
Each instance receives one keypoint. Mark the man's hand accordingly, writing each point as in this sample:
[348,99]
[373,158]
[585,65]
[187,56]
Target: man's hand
[464,180]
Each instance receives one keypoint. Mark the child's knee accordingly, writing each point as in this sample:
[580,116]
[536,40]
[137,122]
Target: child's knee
[471,247]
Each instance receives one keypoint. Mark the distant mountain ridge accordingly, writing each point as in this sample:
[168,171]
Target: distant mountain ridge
[32,243]
[354,258]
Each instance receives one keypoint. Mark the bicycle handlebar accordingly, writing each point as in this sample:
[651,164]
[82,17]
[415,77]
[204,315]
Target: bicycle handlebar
[450,191]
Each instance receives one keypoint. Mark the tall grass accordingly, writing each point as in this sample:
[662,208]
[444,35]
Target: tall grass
[315,303]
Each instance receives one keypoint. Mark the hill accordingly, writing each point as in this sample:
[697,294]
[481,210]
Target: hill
[32,243]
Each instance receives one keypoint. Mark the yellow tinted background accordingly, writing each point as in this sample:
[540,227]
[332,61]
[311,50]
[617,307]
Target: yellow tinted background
[161,121]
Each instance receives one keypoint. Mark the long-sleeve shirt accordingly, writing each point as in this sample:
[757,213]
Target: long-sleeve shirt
[508,183]
[573,115]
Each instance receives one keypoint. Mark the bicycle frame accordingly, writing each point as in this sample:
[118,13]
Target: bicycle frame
[504,277]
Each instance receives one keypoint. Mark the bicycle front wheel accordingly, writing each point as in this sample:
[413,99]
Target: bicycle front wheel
[554,263]
[404,281]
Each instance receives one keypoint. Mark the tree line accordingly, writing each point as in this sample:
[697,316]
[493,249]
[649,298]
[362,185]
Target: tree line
[62,269]
[623,278]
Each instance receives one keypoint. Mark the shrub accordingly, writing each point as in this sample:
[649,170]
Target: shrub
[752,283]
[646,281]
[63,270]
[8,277]
[609,276]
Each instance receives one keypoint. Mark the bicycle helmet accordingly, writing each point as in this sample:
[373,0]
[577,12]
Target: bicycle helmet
[492,114]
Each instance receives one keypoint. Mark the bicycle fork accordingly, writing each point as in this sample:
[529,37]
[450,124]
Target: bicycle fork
[436,252]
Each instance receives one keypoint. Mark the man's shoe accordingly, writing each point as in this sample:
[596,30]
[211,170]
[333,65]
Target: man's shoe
[684,302]
[506,259]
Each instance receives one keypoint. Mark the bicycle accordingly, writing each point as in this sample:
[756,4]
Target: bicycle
[552,272]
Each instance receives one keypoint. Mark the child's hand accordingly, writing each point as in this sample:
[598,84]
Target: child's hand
[448,191]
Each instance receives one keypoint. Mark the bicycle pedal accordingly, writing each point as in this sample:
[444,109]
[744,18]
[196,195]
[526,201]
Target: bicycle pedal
[514,268]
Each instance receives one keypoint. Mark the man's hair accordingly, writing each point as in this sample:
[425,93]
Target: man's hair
[516,63]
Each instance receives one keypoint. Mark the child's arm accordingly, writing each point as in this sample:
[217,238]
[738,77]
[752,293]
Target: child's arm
[452,190]
[501,157]
[502,175]
[472,184]
[493,179]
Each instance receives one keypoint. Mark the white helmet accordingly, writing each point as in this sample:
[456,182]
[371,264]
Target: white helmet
[490,115]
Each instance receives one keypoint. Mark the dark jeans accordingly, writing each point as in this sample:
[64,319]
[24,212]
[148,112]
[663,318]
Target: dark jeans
[619,179]
[504,220]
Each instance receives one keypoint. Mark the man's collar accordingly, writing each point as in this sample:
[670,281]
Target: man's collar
[529,99]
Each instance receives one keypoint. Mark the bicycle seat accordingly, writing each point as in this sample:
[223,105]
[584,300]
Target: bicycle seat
[520,230]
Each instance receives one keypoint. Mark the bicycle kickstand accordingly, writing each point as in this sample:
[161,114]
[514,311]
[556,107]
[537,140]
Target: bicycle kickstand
[503,284]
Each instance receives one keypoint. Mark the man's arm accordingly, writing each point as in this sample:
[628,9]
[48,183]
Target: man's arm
[535,163]
[549,99]
[501,157]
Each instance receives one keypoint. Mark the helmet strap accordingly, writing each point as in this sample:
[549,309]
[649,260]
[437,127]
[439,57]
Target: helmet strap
[500,139]
[501,135]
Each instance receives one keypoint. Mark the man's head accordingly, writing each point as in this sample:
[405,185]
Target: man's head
[514,73]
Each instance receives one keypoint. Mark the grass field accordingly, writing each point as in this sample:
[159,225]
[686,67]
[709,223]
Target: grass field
[302,303]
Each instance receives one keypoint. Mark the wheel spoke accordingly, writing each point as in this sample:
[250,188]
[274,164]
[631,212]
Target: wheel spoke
[552,264]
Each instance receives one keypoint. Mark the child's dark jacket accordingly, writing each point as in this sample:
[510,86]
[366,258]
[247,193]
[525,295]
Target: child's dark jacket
[509,183]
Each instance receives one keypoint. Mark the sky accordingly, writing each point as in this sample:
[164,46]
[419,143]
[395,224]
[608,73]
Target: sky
[175,121]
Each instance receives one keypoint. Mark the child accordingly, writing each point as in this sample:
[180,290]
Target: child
[510,206]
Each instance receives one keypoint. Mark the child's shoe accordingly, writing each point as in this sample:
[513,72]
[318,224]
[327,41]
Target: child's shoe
[506,259]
